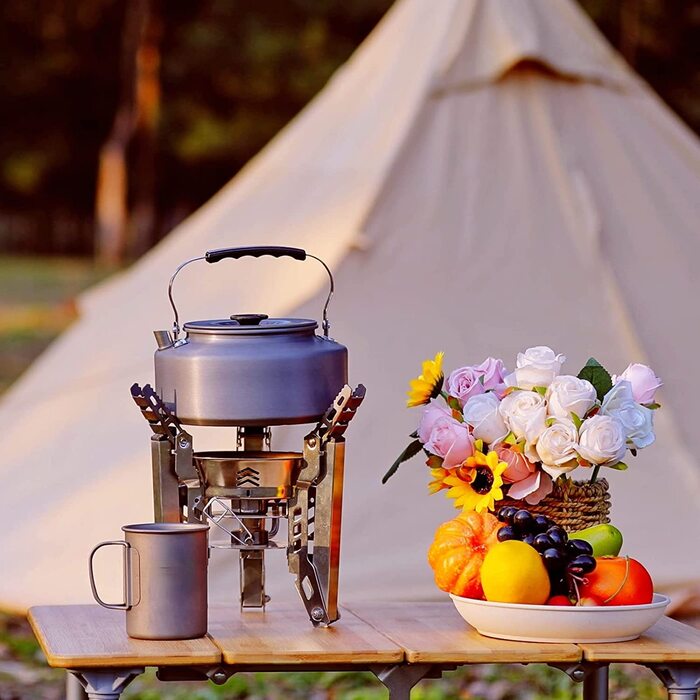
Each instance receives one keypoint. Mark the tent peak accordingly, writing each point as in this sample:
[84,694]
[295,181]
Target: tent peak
[489,39]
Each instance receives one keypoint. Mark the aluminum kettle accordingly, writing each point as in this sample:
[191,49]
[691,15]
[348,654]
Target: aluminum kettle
[249,369]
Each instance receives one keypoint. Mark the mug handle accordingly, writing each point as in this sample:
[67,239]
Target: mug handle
[127,604]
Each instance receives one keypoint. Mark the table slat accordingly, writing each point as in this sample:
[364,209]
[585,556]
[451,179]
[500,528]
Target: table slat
[435,633]
[89,636]
[667,640]
[282,634]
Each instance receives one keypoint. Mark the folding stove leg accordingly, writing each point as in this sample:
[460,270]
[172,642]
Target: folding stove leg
[252,577]
[106,684]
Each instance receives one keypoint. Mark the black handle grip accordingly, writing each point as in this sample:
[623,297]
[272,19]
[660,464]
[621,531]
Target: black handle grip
[277,251]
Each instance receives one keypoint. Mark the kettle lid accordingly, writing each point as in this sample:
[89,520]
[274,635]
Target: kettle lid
[251,324]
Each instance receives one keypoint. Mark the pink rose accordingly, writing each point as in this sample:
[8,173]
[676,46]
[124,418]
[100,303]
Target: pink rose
[519,467]
[643,380]
[464,383]
[493,371]
[473,380]
[533,489]
[444,436]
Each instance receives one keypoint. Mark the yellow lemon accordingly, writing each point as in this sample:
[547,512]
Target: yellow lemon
[513,572]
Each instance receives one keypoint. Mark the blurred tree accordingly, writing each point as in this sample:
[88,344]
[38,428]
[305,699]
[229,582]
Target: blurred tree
[231,74]
[111,205]
[136,120]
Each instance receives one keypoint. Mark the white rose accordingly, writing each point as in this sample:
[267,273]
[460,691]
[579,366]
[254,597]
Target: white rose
[524,413]
[637,420]
[617,397]
[557,448]
[481,412]
[602,440]
[567,395]
[535,367]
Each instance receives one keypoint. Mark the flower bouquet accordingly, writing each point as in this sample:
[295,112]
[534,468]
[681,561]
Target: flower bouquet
[494,437]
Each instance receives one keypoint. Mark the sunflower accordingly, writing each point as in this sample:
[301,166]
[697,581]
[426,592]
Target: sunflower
[428,385]
[438,483]
[477,484]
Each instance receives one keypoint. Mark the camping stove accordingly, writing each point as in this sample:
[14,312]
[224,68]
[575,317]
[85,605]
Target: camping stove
[252,372]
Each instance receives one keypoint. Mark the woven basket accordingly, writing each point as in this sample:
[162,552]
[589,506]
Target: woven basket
[574,505]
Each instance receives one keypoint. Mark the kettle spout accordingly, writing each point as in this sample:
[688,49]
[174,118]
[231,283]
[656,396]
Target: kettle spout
[164,339]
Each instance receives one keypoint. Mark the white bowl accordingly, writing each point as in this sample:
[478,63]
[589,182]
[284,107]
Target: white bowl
[559,623]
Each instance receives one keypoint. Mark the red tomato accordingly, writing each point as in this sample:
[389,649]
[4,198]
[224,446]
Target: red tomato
[559,600]
[618,581]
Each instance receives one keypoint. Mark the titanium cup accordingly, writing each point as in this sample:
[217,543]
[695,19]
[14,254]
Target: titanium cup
[165,580]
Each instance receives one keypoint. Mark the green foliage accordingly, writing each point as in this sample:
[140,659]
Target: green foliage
[597,375]
[411,451]
[36,299]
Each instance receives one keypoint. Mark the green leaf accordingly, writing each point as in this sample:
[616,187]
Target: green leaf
[411,451]
[652,406]
[454,404]
[510,439]
[620,466]
[550,422]
[577,421]
[541,390]
[597,375]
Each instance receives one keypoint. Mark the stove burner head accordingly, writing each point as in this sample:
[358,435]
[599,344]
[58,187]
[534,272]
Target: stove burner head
[249,474]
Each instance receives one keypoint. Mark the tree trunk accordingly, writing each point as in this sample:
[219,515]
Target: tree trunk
[143,214]
[112,191]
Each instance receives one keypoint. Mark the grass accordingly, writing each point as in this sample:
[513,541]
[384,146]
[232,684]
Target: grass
[36,304]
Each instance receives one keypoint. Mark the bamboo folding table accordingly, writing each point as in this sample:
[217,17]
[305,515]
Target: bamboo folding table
[401,643]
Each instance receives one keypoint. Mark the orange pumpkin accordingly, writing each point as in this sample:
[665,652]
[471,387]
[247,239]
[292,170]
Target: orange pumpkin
[458,552]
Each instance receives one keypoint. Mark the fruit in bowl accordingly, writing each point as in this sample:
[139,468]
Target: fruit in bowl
[458,552]
[618,581]
[513,572]
[605,539]
[521,558]
[520,576]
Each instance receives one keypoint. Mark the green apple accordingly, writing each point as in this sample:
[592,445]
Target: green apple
[605,539]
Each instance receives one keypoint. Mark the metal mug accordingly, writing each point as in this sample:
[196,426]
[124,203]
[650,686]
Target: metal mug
[165,580]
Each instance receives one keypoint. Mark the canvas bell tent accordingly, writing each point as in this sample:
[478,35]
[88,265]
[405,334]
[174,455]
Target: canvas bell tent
[481,176]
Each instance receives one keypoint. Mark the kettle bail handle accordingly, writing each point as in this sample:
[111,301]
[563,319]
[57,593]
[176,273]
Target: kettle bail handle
[276,251]
[213,256]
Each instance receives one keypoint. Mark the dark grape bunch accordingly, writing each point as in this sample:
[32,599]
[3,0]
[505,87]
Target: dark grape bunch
[566,561]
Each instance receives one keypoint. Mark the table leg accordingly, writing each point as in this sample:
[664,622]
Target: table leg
[594,677]
[681,680]
[105,684]
[595,684]
[401,678]
[74,688]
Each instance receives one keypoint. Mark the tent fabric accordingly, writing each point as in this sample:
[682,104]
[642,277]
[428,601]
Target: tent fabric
[493,37]
[482,176]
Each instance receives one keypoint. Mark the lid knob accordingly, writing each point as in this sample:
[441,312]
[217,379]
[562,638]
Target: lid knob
[248,319]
